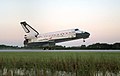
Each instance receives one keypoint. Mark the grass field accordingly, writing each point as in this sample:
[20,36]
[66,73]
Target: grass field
[73,63]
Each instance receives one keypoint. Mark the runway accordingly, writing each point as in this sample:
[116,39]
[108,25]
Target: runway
[30,50]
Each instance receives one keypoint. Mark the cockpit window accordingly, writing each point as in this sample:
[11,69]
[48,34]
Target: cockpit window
[76,29]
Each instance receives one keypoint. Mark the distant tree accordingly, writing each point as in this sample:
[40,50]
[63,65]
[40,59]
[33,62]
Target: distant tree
[8,47]
[116,46]
[100,46]
[94,46]
[83,47]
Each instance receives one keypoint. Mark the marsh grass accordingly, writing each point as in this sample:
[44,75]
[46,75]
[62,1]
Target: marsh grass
[50,63]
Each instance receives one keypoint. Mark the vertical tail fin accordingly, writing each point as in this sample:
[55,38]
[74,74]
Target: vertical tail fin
[28,29]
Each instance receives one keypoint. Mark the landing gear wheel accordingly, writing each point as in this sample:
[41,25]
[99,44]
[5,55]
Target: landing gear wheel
[83,40]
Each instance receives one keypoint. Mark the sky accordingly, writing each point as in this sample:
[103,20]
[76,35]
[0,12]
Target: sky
[101,18]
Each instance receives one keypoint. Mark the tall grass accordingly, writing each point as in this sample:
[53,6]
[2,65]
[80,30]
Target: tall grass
[51,63]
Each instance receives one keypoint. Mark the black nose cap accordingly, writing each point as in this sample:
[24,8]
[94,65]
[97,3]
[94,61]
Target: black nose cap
[87,34]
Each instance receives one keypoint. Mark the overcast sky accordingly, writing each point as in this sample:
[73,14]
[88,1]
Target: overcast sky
[99,17]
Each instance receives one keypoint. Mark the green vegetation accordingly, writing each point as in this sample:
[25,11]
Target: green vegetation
[78,63]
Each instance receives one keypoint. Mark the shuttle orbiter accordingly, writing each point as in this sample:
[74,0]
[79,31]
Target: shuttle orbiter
[33,38]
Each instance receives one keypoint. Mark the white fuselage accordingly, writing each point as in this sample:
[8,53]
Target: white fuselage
[71,33]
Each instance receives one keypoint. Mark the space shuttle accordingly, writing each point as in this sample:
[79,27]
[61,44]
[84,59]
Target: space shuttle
[34,38]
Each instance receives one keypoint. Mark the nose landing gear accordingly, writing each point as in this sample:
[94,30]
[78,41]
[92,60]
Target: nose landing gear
[83,40]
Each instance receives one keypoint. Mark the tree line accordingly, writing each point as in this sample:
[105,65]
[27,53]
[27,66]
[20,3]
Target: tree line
[96,46]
